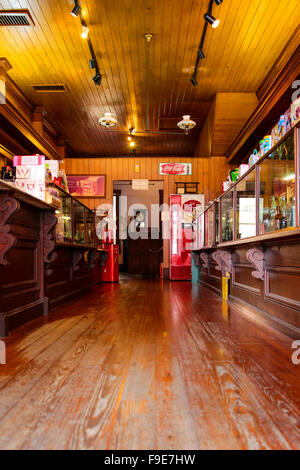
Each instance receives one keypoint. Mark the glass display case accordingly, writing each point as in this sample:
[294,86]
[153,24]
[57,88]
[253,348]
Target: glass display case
[90,227]
[75,222]
[217,221]
[277,199]
[264,200]
[209,224]
[246,207]
[226,206]
[79,223]
[64,230]
[198,232]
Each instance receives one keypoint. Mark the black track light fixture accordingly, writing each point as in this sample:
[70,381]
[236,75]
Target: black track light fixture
[93,63]
[194,80]
[201,54]
[209,18]
[97,79]
[214,22]
[76,10]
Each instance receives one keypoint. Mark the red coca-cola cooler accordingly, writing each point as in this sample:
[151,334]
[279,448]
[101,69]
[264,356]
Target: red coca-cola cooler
[184,211]
[110,268]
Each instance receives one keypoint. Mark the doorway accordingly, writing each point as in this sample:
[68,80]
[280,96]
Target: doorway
[139,228]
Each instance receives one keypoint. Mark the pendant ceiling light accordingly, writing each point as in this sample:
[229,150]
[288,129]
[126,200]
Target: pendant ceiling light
[186,124]
[108,120]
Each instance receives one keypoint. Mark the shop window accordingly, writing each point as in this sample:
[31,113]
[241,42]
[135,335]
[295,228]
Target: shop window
[277,208]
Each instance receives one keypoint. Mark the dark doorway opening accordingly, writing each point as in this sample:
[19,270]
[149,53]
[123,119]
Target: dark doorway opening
[142,252]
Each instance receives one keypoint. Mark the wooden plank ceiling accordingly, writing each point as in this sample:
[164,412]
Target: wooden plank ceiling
[239,53]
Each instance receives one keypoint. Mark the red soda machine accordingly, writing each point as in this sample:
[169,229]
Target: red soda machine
[110,258]
[185,211]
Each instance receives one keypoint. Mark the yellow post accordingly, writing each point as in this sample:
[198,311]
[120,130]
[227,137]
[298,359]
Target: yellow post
[225,286]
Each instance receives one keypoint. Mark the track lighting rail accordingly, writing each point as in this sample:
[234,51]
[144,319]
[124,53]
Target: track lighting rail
[209,19]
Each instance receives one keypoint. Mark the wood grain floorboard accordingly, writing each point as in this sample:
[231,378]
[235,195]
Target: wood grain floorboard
[149,365]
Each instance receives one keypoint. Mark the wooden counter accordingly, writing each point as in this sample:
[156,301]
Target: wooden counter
[264,272]
[35,272]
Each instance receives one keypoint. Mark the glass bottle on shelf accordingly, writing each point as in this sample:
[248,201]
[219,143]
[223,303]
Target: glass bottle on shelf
[284,222]
[291,210]
[278,215]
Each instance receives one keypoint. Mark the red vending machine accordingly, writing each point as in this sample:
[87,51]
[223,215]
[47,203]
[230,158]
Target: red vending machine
[110,268]
[185,210]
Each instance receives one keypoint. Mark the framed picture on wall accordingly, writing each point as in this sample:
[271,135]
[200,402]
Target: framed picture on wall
[86,185]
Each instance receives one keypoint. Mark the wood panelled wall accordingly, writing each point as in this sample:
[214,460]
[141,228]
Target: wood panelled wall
[3,161]
[209,172]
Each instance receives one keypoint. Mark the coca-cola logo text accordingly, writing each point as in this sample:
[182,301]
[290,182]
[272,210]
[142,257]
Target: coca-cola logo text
[174,168]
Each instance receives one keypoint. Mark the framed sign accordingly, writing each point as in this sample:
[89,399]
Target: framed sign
[86,185]
[140,185]
[177,169]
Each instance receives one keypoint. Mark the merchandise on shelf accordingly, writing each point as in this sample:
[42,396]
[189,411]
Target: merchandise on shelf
[243,169]
[226,185]
[8,173]
[30,174]
[254,158]
[234,175]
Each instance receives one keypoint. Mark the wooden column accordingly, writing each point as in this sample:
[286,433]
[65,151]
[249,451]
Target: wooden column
[38,119]
[4,68]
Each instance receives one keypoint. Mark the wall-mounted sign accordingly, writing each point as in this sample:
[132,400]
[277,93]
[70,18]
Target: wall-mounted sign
[140,185]
[178,169]
[86,186]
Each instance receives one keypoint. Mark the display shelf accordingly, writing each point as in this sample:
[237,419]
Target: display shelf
[76,222]
[264,200]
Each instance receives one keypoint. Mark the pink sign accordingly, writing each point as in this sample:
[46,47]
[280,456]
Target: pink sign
[178,169]
[86,186]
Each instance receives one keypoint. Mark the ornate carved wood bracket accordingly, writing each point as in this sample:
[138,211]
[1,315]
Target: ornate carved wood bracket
[256,257]
[50,221]
[77,257]
[223,260]
[196,259]
[8,207]
[204,258]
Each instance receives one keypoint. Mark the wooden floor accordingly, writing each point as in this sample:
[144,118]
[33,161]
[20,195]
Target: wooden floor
[149,365]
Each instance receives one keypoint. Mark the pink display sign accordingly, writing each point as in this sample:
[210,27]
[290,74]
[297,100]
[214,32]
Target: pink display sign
[178,169]
[86,186]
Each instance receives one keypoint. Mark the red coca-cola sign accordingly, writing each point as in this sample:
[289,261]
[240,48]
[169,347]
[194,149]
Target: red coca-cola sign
[179,169]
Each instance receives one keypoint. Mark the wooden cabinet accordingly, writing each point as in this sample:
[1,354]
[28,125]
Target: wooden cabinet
[35,271]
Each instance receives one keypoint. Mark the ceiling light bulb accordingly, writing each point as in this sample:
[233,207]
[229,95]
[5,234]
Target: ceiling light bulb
[85,32]
[211,20]
[132,144]
[186,124]
[108,120]
[76,10]
[130,139]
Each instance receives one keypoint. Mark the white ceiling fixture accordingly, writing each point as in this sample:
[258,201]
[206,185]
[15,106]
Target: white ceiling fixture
[186,124]
[108,120]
